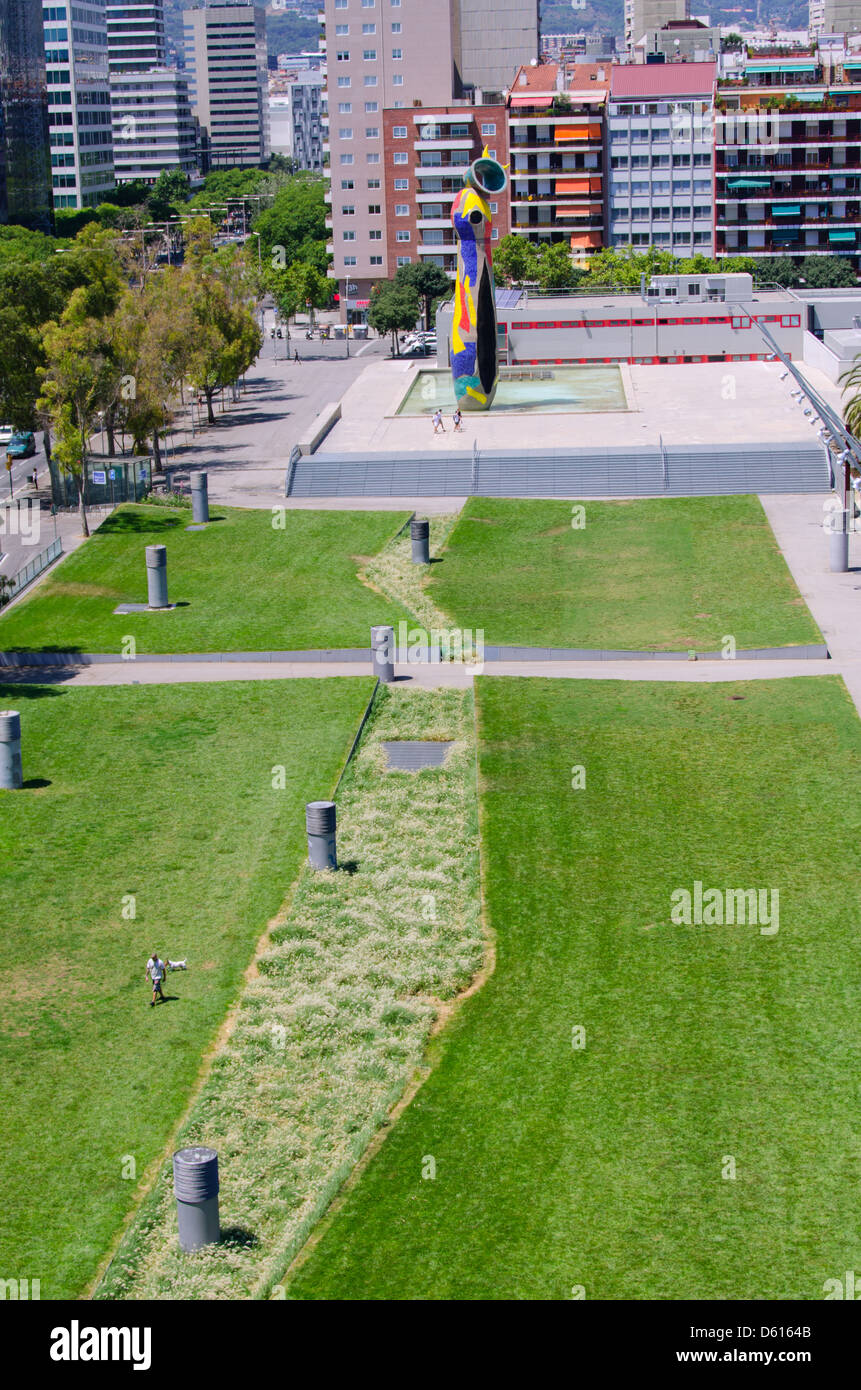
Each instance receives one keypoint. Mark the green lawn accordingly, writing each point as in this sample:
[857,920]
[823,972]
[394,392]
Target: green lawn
[165,794]
[662,574]
[241,585]
[602,1167]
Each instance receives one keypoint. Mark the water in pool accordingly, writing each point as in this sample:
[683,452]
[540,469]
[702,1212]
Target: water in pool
[550,390]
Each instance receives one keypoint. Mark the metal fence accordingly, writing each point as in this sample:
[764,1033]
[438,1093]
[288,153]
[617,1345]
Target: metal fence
[35,567]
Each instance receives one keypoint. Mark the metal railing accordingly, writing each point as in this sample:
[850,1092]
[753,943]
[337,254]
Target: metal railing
[35,567]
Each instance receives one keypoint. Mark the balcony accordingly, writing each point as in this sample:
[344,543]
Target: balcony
[442,248]
[438,171]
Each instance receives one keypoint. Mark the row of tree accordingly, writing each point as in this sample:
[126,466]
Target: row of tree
[85,343]
[517,261]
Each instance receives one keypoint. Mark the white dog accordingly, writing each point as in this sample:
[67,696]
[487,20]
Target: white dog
[178,964]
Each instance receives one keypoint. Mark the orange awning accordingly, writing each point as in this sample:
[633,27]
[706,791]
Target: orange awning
[577,132]
[583,210]
[584,239]
[583,185]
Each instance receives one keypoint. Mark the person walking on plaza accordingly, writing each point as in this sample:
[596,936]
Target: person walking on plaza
[457,421]
[296,357]
[437,422]
[155,970]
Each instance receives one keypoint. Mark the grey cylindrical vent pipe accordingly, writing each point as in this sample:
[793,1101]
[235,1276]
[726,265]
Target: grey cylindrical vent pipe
[838,542]
[320,825]
[156,576]
[11,774]
[383,653]
[199,497]
[420,537]
[195,1185]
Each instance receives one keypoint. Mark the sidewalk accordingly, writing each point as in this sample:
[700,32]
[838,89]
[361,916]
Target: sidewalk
[833,599]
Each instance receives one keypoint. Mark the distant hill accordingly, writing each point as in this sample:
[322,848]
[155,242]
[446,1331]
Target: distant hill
[607,16]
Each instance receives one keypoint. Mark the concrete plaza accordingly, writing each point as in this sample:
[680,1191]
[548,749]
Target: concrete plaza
[691,403]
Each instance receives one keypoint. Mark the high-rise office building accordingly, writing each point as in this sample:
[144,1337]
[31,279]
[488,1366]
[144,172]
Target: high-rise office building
[225,57]
[76,54]
[643,15]
[389,55]
[25,152]
[136,35]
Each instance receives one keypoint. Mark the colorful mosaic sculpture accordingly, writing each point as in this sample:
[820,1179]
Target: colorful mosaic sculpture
[473,354]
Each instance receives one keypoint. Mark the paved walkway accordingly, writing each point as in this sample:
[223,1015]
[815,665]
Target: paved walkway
[833,599]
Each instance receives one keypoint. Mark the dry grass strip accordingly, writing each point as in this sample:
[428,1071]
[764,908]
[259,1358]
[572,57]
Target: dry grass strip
[332,1030]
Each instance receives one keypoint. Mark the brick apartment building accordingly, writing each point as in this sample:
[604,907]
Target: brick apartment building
[427,152]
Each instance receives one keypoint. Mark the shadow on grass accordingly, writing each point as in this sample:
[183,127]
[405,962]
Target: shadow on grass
[123,522]
[35,783]
[240,1237]
[18,685]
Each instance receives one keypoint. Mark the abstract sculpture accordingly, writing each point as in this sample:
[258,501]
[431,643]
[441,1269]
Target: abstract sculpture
[473,353]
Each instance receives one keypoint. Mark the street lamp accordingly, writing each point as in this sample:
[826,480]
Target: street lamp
[259,251]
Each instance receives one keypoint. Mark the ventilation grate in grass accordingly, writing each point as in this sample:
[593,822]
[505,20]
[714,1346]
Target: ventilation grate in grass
[410,755]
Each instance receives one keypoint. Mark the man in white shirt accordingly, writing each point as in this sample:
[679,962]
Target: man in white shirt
[155,969]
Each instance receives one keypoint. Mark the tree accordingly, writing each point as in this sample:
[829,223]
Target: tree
[226,335]
[514,260]
[554,267]
[294,227]
[429,281]
[850,381]
[394,309]
[828,272]
[80,379]
[170,191]
[778,270]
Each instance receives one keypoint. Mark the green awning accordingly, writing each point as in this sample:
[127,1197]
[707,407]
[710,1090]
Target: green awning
[780,67]
[841,236]
[748,183]
[786,210]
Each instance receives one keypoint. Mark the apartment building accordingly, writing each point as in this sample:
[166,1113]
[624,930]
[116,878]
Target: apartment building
[491,39]
[556,143]
[381,55]
[642,15]
[834,17]
[226,63]
[788,161]
[25,150]
[398,55]
[306,120]
[427,152]
[660,127]
[136,39]
[76,57]
[153,124]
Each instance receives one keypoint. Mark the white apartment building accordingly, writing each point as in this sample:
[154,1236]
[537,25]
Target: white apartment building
[136,35]
[76,54]
[660,132]
[225,56]
[153,125]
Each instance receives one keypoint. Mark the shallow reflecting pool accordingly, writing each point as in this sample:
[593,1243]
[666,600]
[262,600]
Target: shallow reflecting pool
[541,390]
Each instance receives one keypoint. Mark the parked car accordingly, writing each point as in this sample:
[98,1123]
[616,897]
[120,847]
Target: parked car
[21,446]
[6,433]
